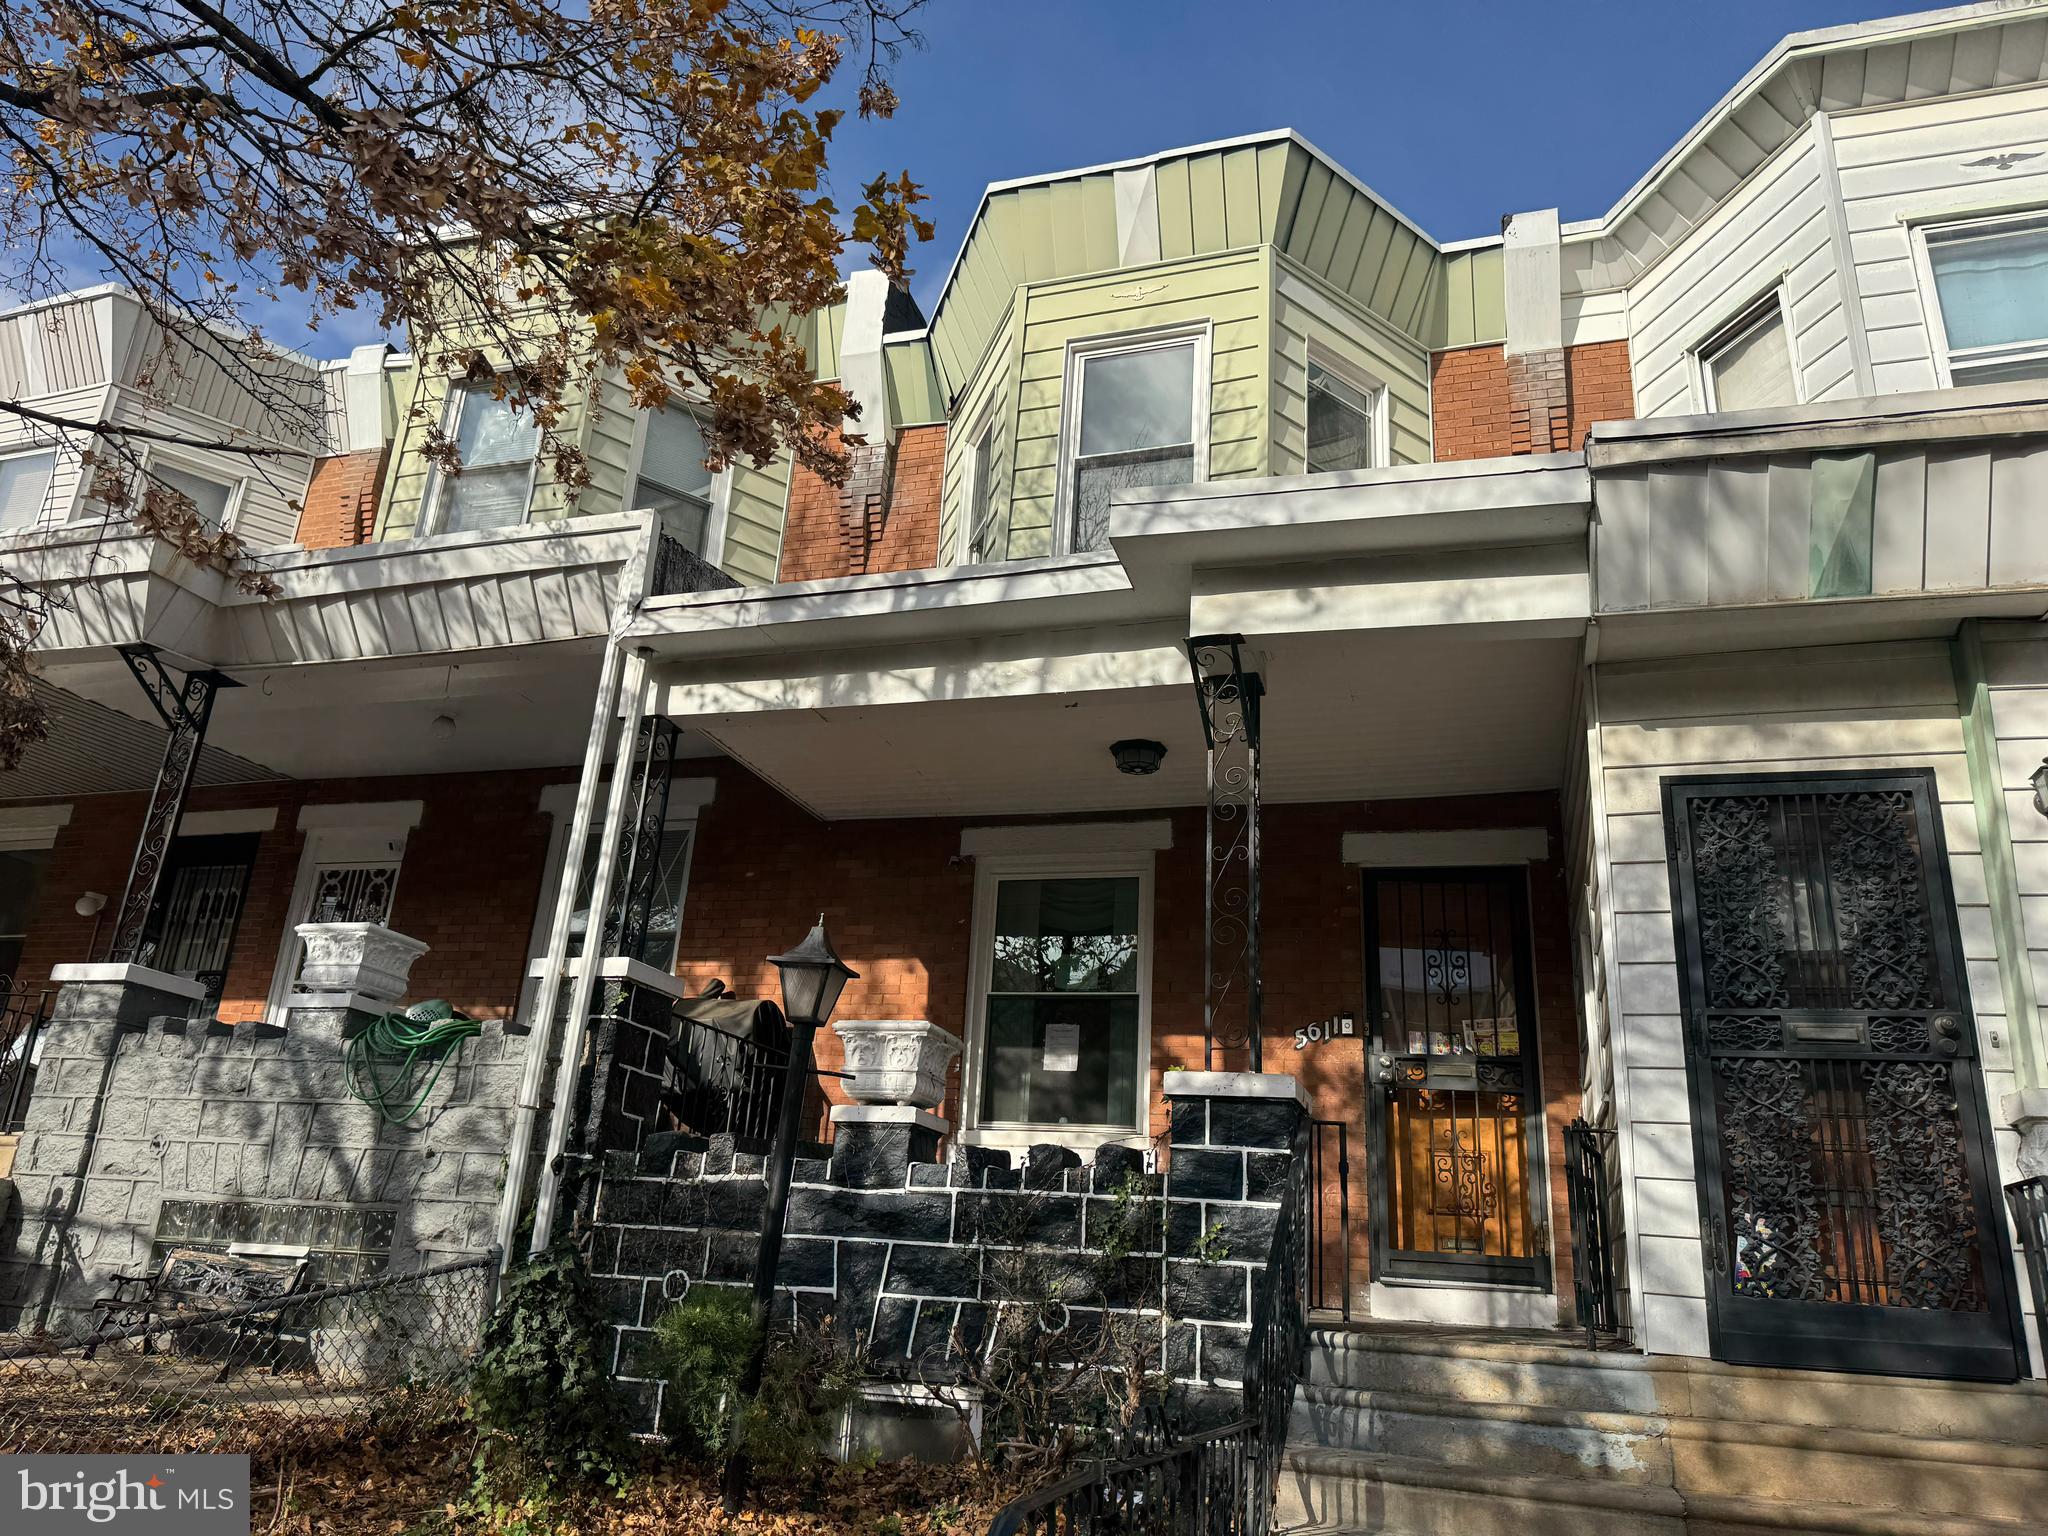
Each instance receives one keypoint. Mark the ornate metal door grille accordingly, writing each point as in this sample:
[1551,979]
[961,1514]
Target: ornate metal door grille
[1455,1131]
[1847,1210]
[192,930]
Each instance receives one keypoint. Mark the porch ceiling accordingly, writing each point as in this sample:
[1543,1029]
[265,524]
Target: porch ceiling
[1348,717]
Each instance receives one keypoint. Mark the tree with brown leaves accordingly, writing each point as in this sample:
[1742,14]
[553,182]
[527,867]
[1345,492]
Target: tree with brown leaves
[538,191]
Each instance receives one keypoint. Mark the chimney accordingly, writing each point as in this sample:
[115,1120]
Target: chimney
[1539,395]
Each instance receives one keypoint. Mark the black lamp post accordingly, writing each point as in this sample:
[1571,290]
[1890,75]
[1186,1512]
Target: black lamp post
[813,976]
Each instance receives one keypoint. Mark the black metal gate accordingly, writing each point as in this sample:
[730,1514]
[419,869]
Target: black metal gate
[1847,1201]
[191,930]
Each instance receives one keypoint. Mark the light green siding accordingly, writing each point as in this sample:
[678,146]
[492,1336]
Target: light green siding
[1228,292]
[992,389]
[1307,310]
[915,398]
[1471,302]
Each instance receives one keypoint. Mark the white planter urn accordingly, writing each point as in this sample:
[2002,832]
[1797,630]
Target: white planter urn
[897,1061]
[367,959]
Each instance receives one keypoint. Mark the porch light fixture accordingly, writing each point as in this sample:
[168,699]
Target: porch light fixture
[813,976]
[443,726]
[1138,757]
[2039,779]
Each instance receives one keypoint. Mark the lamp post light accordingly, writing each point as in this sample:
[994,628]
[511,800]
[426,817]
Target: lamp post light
[2039,779]
[813,976]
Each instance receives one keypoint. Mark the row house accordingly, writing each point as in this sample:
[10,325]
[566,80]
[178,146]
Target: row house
[1569,701]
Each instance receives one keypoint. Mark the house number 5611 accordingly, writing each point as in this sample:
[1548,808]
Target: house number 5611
[1325,1029]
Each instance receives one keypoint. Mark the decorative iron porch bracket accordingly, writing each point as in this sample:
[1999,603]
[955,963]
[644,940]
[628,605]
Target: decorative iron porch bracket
[1233,1000]
[631,907]
[184,702]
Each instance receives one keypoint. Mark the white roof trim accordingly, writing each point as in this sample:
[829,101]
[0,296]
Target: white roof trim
[1052,839]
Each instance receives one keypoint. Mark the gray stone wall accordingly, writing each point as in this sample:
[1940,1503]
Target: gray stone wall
[902,1252]
[135,1106]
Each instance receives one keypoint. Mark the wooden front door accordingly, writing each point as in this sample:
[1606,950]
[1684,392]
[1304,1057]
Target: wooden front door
[1455,1119]
[1846,1172]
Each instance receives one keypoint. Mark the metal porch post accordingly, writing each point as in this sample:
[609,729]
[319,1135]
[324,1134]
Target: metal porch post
[630,906]
[1233,1000]
[185,704]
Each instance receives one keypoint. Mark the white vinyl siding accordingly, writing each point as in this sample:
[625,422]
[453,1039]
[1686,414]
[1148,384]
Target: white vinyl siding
[1917,166]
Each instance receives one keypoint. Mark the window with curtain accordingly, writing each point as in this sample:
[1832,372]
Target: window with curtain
[1060,1045]
[673,482]
[496,446]
[1991,281]
[1136,410]
[212,498]
[1340,421]
[25,487]
[1749,366]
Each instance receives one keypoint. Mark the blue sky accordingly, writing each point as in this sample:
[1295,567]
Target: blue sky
[1456,111]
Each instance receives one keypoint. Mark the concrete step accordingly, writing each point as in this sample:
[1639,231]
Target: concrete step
[1356,1492]
[1927,1475]
[1476,1368]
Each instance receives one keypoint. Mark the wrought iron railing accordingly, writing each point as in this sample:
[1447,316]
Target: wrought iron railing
[22,1017]
[1329,1217]
[1595,1297]
[723,1084]
[1223,1481]
[2028,1199]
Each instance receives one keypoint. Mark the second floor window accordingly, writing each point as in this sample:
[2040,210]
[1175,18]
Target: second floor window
[1991,291]
[1748,365]
[212,499]
[497,447]
[981,502]
[1136,423]
[25,487]
[673,482]
[1340,421]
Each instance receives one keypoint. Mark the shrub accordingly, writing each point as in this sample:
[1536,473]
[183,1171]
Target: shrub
[808,1381]
[541,1393]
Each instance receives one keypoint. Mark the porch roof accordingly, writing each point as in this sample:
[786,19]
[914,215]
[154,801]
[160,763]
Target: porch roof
[347,667]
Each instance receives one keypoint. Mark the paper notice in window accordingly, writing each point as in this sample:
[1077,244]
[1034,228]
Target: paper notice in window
[1062,1048]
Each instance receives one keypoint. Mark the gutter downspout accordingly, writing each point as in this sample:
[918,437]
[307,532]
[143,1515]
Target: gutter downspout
[576,1028]
[635,581]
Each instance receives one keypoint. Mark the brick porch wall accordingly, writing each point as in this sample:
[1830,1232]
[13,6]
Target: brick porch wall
[468,884]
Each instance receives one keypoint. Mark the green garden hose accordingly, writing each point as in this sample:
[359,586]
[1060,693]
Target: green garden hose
[419,1043]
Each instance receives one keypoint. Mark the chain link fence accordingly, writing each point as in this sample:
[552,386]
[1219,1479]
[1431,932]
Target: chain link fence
[268,1378]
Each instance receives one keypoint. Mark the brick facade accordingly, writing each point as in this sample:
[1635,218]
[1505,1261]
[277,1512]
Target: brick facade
[885,518]
[476,911]
[1484,404]
[899,900]
[341,500]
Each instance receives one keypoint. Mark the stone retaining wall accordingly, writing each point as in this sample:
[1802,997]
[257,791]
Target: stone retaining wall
[905,1253]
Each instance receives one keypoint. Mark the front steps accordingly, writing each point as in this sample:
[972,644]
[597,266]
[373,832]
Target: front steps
[1421,1432]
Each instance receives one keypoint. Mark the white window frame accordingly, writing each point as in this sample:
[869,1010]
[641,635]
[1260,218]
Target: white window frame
[1930,292]
[981,452]
[238,485]
[1321,355]
[365,832]
[1201,333]
[721,483]
[433,514]
[51,514]
[990,869]
[686,801]
[1746,318]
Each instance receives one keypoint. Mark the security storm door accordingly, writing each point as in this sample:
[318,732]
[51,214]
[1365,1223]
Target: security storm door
[1844,1156]
[191,929]
[1456,1122]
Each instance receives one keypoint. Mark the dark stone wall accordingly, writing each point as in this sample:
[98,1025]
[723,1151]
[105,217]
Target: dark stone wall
[903,1254]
